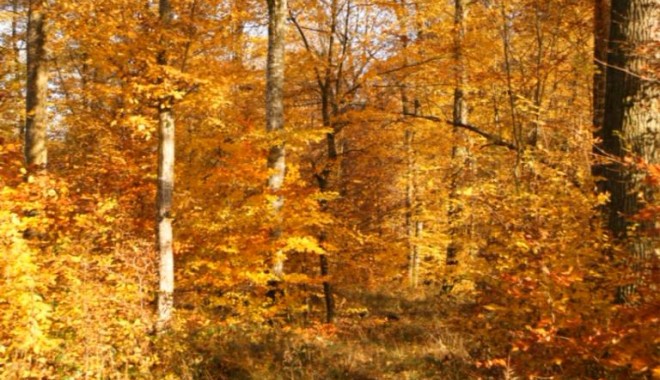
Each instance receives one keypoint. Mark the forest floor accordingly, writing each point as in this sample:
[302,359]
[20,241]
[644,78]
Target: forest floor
[386,337]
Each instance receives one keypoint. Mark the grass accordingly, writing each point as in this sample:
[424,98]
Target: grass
[376,336]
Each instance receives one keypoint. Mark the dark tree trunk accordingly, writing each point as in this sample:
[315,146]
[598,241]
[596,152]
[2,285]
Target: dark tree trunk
[36,154]
[631,126]
[601,38]
[459,151]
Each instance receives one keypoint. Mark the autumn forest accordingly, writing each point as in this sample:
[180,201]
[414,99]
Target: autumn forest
[329,189]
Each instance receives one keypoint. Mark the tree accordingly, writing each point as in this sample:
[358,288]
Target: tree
[459,150]
[631,128]
[329,85]
[328,38]
[601,36]
[414,226]
[277,13]
[165,237]
[36,119]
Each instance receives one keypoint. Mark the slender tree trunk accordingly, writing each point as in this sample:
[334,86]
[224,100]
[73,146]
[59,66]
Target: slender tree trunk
[277,12]
[324,185]
[414,226]
[18,77]
[329,108]
[601,36]
[237,25]
[533,136]
[36,154]
[631,125]
[324,179]
[411,224]
[506,41]
[516,127]
[166,133]
[327,288]
[459,151]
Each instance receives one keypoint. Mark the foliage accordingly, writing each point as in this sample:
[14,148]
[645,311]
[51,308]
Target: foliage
[529,295]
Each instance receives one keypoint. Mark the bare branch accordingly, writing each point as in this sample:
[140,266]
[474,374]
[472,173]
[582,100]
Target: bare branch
[492,139]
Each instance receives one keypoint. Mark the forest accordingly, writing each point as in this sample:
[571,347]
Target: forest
[329,189]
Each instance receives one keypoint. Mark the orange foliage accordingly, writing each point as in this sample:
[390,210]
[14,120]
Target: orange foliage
[531,292]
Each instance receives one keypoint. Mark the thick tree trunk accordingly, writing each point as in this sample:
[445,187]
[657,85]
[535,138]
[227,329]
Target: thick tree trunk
[631,124]
[165,191]
[36,154]
[277,12]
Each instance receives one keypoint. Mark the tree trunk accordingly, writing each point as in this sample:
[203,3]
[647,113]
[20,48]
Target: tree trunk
[166,134]
[18,77]
[327,291]
[329,110]
[413,225]
[601,36]
[277,11]
[459,151]
[516,128]
[631,125]
[36,154]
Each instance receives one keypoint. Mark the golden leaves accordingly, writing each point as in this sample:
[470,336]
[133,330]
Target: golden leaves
[303,244]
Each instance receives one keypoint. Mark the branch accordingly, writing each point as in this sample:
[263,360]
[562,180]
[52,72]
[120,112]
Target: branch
[626,71]
[497,140]
[493,139]
[308,47]
[409,65]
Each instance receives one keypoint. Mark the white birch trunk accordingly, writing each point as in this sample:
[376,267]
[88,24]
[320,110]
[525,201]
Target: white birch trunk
[277,13]
[166,130]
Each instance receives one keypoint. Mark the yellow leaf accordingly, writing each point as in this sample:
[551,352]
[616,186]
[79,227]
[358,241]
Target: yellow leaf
[303,244]
[492,307]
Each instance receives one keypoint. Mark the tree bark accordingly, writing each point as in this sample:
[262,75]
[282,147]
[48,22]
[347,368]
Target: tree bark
[327,290]
[18,77]
[277,11]
[165,191]
[36,153]
[459,151]
[631,126]
[329,84]
[324,178]
[413,225]
[601,36]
